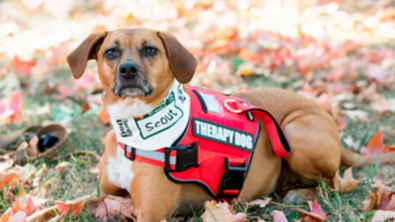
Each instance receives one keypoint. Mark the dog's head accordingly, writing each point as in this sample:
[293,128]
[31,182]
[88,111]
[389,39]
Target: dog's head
[134,63]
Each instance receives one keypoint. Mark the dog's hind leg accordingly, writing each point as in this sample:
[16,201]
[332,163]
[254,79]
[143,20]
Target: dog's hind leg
[315,147]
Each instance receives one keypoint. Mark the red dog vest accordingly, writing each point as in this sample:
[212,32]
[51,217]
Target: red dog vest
[216,148]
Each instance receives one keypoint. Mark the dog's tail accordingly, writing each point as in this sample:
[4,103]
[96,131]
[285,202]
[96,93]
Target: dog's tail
[351,158]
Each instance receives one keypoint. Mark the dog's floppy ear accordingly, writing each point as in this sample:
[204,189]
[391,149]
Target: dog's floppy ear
[87,50]
[182,62]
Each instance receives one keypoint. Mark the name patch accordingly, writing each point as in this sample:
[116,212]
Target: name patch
[222,134]
[159,119]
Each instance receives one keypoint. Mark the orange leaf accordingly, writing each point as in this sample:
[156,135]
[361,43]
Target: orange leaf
[22,67]
[6,215]
[316,213]
[8,179]
[347,183]
[375,145]
[377,140]
[104,117]
[65,207]
[78,208]
[17,206]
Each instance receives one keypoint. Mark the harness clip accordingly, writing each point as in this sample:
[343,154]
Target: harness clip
[187,156]
[233,179]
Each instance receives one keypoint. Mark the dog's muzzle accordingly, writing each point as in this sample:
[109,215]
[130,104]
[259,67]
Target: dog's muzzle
[131,82]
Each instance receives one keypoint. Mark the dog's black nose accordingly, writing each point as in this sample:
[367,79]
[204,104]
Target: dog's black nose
[128,70]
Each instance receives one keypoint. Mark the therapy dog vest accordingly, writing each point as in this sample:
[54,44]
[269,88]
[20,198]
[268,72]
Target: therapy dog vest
[217,145]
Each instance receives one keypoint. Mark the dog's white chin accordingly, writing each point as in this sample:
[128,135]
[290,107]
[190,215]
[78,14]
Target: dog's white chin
[131,92]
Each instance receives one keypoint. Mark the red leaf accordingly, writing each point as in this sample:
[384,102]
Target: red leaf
[22,67]
[316,213]
[29,209]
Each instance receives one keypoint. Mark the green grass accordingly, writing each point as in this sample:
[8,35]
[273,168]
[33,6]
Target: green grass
[87,131]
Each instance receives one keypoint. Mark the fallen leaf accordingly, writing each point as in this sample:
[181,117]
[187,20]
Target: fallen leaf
[65,91]
[8,179]
[119,204]
[6,215]
[29,208]
[62,166]
[5,163]
[221,212]
[261,203]
[94,169]
[20,216]
[316,213]
[104,117]
[382,215]
[66,207]
[376,146]
[347,183]
[361,115]
[23,68]
[279,216]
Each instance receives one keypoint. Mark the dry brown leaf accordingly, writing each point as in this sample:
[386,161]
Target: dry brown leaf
[62,166]
[347,183]
[215,212]
[113,207]
[380,200]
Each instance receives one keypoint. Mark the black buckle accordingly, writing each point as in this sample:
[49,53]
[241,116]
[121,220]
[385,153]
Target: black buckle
[187,156]
[132,153]
[232,181]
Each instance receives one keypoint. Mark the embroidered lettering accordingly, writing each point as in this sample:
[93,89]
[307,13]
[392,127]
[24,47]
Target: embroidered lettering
[160,119]
[124,128]
[222,134]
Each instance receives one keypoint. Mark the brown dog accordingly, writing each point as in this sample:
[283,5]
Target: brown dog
[138,67]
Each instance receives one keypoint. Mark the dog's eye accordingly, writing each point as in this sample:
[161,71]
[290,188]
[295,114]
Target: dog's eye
[150,51]
[111,53]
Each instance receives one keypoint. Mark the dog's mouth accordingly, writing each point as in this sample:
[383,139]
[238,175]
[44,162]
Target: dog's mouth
[133,90]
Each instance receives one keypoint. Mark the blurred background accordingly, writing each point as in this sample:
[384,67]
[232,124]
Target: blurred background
[320,48]
[339,53]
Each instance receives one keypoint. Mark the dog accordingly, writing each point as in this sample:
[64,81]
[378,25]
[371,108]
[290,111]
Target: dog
[139,67]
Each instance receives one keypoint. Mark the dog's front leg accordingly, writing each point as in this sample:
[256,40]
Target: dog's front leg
[154,196]
[106,185]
